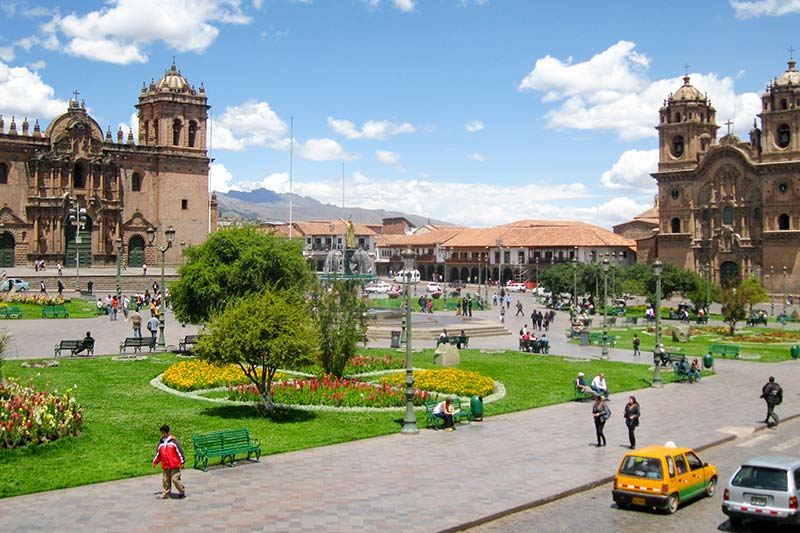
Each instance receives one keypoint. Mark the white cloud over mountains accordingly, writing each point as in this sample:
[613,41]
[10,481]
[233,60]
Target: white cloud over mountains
[611,91]
[371,129]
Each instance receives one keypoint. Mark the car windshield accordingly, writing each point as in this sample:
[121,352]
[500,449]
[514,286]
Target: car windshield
[646,467]
[761,477]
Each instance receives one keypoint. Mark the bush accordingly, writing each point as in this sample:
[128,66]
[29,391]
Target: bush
[28,416]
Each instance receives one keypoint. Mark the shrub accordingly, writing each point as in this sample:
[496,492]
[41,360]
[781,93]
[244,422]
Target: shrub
[447,380]
[28,416]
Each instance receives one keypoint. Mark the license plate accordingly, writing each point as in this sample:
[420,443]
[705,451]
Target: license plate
[758,500]
[638,501]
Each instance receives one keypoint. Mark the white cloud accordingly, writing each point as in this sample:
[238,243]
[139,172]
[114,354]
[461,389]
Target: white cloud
[758,8]
[392,159]
[611,91]
[324,150]
[249,124]
[475,125]
[476,157]
[277,181]
[371,129]
[23,93]
[632,171]
[219,178]
[120,31]
[403,5]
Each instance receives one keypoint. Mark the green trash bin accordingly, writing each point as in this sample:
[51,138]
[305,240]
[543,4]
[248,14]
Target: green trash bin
[708,360]
[795,351]
[476,407]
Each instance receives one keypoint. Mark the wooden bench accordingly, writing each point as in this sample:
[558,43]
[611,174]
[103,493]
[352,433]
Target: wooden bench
[224,444]
[434,421]
[137,343]
[756,320]
[461,341]
[186,344]
[74,346]
[54,311]
[580,395]
[10,311]
[724,350]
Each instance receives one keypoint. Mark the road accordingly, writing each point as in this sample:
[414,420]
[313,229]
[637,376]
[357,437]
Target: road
[594,510]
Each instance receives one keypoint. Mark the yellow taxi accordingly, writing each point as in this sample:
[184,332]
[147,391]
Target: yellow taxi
[662,477]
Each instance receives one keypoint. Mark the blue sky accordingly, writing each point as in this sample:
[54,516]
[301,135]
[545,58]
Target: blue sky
[479,112]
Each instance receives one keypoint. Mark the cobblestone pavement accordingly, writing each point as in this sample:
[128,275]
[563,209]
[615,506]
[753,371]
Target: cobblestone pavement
[429,482]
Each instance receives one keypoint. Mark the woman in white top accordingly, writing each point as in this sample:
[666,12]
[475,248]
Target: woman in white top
[445,411]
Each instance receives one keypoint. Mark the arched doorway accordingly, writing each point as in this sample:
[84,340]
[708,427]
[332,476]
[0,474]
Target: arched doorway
[453,275]
[136,251]
[7,250]
[465,275]
[729,274]
[83,243]
[474,275]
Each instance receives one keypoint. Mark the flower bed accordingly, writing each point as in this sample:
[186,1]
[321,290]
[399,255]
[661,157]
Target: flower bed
[196,374]
[28,416]
[37,299]
[768,337]
[332,392]
[361,364]
[447,380]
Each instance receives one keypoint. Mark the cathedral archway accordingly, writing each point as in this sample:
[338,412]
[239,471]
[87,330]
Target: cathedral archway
[729,274]
[136,251]
[7,245]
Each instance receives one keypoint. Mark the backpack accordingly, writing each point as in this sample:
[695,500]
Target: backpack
[607,414]
[775,395]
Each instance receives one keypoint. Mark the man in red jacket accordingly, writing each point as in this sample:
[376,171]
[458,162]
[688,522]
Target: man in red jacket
[170,455]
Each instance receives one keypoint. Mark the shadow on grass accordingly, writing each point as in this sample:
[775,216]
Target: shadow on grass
[279,415]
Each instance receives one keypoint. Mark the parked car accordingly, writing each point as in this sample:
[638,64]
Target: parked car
[400,276]
[457,284]
[20,284]
[379,287]
[433,287]
[541,291]
[662,477]
[515,286]
[765,488]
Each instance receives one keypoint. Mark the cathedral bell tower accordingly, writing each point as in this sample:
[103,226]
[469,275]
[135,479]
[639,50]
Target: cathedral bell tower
[686,128]
[173,114]
[780,117]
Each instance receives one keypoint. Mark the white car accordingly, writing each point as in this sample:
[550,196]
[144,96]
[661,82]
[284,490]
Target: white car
[381,287]
[515,286]
[433,287]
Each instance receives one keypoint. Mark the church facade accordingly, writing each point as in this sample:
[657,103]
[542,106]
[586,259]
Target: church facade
[72,193]
[730,207]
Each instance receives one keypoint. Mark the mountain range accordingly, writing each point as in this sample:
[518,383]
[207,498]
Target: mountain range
[265,205]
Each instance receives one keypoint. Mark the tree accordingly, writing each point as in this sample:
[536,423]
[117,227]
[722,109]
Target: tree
[557,279]
[262,333]
[340,316]
[733,307]
[753,292]
[233,263]
[4,338]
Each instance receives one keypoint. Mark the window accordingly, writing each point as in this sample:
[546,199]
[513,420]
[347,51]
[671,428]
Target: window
[783,222]
[694,461]
[3,173]
[146,129]
[675,193]
[784,104]
[784,135]
[761,477]
[671,466]
[155,131]
[706,216]
[727,215]
[677,117]
[645,467]
[184,204]
[680,464]
[136,182]
[176,132]
[783,187]
[192,133]
[677,146]
[676,225]
[79,176]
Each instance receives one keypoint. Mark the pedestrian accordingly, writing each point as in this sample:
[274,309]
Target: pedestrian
[502,315]
[600,412]
[632,415]
[59,268]
[508,301]
[126,305]
[60,288]
[469,306]
[636,343]
[772,393]
[152,325]
[144,269]
[42,287]
[114,307]
[89,285]
[170,455]
[519,309]
[136,323]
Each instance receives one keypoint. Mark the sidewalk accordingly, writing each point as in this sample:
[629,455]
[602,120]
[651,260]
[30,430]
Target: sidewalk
[428,482]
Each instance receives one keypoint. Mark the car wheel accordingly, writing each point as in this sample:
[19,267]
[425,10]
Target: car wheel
[21,290]
[672,503]
[711,488]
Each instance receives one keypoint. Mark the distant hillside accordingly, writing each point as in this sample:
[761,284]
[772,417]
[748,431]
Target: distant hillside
[265,205]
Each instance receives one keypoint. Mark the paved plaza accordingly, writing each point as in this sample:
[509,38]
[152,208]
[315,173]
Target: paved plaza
[433,481]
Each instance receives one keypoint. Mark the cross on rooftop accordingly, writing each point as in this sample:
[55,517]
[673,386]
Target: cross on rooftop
[791,53]
[729,124]
[75,93]
[686,69]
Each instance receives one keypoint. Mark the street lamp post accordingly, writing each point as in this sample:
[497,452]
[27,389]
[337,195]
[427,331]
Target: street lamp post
[499,243]
[77,218]
[604,354]
[410,418]
[614,274]
[771,291]
[785,296]
[574,309]
[119,270]
[707,272]
[486,281]
[658,267]
[170,235]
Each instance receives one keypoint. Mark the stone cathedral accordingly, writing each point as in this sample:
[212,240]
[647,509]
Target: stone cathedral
[730,204]
[73,188]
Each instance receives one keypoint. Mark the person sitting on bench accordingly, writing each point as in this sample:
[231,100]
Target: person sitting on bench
[599,385]
[581,385]
[694,371]
[85,343]
[445,411]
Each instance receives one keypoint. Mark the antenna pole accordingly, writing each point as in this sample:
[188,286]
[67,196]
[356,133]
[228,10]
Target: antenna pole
[291,154]
[343,185]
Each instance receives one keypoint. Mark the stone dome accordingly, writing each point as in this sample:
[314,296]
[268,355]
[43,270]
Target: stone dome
[687,92]
[790,77]
[173,81]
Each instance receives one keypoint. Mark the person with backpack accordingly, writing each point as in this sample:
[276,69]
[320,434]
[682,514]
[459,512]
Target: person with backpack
[772,393]
[636,343]
[632,414]
[601,413]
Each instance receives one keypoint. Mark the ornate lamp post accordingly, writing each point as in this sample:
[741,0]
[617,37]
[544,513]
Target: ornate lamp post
[658,268]
[170,235]
[604,354]
[410,418]
[119,271]
[785,296]
[574,309]
[486,281]
[614,273]
[771,291]
[536,260]
[707,272]
[77,218]
[499,243]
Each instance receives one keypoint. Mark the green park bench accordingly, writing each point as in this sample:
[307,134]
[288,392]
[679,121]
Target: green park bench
[724,350]
[431,420]
[54,311]
[10,311]
[630,320]
[186,344]
[224,444]
[597,338]
[137,343]
[702,319]
[74,346]
[581,395]
[535,346]
[611,321]
[756,320]
[456,340]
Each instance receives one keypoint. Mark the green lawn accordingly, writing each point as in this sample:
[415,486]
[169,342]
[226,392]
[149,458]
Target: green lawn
[438,303]
[77,309]
[123,413]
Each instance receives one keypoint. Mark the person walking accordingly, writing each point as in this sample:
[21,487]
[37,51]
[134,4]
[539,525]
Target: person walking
[502,314]
[636,343]
[136,323]
[144,269]
[519,308]
[632,414]
[772,393]
[152,325]
[600,412]
[60,288]
[170,455]
[42,287]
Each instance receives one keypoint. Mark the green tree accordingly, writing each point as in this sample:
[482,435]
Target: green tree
[260,334]
[557,278]
[233,263]
[734,304]
[4,338]
[340,316]
[753,292]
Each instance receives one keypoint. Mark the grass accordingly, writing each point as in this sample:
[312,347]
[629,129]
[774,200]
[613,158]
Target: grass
[438,303]
[77,308]
[123,413]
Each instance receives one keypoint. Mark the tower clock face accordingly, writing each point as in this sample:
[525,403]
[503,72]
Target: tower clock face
[676,147]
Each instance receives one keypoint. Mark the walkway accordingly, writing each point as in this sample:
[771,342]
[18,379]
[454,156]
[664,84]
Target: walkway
[428,482]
